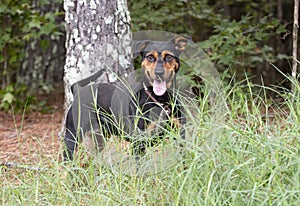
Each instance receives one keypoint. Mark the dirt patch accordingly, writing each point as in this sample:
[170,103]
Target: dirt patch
[33,136]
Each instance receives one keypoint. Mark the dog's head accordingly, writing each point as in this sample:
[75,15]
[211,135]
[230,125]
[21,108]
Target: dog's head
[160,61]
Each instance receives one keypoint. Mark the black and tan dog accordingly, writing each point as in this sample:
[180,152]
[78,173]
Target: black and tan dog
[104,109]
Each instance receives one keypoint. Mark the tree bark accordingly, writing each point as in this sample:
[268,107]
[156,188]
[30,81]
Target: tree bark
[295,40]
[45,57]
[98,35]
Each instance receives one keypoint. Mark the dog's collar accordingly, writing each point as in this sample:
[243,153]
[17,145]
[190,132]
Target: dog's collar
[150,95]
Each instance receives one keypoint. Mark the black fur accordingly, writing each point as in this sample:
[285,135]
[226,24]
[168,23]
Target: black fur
[95,109]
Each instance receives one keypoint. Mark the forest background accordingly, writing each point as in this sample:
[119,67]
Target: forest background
[243,38]
[244,151]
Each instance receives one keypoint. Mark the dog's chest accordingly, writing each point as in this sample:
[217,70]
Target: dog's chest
[138,110]
[150,110]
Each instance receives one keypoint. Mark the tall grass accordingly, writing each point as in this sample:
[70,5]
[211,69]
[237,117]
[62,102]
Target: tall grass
[253,159]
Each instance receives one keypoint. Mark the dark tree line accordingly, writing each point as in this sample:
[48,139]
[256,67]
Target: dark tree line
[241,37]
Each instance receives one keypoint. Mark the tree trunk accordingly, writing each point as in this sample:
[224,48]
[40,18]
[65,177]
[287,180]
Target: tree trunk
[98,36]
[295,40]
[44,57]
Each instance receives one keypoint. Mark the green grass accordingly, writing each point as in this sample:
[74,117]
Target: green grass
[246,153]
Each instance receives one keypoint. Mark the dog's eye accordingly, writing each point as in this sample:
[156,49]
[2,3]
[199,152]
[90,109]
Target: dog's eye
[150,58]
[168,58]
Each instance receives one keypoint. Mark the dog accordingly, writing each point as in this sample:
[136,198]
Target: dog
[100,110]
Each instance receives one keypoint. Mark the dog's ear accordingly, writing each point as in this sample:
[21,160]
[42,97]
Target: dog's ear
[138,47]
[180,43]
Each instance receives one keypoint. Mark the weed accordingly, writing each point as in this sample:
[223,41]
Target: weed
[251,157]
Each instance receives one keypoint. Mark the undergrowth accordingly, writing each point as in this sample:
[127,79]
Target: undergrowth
[247,153]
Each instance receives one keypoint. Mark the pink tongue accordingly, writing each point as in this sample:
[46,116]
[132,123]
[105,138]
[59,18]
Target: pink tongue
[159,87]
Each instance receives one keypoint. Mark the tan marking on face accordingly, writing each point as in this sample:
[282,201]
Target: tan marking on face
[170,66]
[149,66]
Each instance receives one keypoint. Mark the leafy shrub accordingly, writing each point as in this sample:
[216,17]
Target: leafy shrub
[238,35]
[18,98]
[194,17]
[242,44]
[21,21]
[14,96]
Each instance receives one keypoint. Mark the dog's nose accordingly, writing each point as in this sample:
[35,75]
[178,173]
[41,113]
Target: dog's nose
[159,71]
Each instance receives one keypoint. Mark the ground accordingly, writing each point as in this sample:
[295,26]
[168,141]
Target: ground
[29,140]
[26,138]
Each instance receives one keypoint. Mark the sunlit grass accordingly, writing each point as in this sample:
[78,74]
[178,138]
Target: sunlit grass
[249,156]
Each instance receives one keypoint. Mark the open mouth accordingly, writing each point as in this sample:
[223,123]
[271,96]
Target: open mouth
[160,85]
